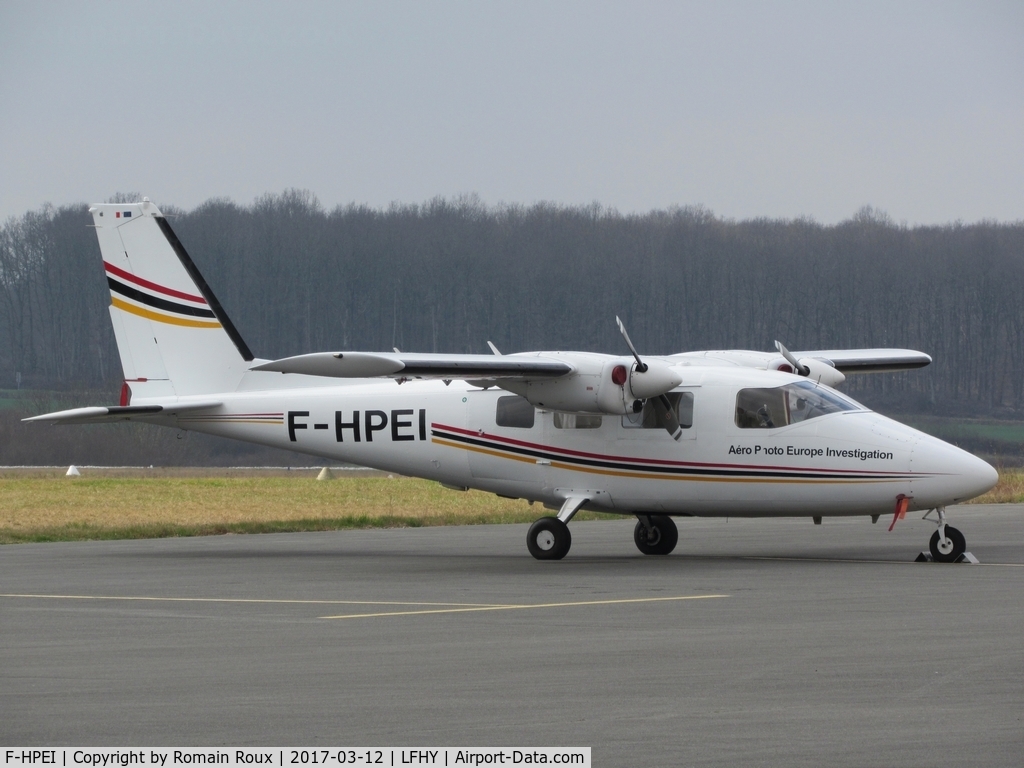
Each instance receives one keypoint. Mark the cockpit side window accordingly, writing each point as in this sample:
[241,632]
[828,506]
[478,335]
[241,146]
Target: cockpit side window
[758,408]
[761,408]
[514,411]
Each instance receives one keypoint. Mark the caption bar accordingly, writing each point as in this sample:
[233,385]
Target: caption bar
[93,757]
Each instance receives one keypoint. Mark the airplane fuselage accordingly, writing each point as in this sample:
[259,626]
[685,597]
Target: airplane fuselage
[853,462]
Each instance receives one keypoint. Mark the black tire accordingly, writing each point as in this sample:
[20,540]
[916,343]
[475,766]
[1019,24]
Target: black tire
[956,538]
[661,539]
[549,539]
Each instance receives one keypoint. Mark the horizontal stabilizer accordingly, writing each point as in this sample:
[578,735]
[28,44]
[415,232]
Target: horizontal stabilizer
[102,414]
[870,360]
[360,365]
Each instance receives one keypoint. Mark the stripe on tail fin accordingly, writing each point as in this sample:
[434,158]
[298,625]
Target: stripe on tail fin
[211,300]
[173,336]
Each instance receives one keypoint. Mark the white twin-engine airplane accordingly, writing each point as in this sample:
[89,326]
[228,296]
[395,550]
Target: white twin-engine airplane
[740,433]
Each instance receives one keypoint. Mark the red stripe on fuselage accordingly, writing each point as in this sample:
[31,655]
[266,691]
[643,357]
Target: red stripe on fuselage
[152,286]
[661,462]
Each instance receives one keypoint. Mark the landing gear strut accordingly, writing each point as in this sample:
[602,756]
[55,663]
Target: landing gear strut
[947,543]
[655,534]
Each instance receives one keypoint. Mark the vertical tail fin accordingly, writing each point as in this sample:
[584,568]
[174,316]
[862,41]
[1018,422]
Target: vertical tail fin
[173,336]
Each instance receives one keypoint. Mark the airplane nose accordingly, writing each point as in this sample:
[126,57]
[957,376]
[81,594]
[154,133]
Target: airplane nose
[984,476]
[955,474]
[973,476]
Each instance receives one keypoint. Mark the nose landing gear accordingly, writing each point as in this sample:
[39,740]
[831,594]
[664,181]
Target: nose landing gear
[947,544]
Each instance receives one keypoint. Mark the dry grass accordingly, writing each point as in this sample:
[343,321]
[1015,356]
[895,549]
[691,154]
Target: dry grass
[1009,490]
[48,506]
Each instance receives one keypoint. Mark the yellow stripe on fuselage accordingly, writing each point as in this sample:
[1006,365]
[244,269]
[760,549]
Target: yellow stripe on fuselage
[162,318]
[640,475]
[475,449]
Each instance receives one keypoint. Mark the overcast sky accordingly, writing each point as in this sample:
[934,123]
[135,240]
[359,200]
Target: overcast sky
[750,109]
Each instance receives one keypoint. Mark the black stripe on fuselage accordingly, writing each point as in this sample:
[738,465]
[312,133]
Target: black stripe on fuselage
[155,301]
[659,468]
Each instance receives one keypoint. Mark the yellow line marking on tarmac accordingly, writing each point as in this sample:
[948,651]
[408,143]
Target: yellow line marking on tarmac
[473,606]
[525,606]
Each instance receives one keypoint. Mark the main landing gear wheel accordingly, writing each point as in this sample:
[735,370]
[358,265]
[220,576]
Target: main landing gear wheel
[655,534]
[949,549]
[549,539]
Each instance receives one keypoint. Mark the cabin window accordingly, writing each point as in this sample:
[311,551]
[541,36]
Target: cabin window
[653,417]
[788,404]
[577,420]
[514,411]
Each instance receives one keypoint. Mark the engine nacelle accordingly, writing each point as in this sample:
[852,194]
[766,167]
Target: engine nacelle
[622,384]
[656,380]
[820,371]
[599,386]
[578,391]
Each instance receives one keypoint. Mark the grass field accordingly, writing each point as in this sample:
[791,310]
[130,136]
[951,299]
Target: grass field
[46,506]
[1010,489]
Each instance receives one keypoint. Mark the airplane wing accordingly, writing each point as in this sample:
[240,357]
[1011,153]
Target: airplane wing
[849,361]
[358,365]
[101,414]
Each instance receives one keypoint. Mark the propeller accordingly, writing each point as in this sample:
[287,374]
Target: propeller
[803,370]
[662,405]
[641,368]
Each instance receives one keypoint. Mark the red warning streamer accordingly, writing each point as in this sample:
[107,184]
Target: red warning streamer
[901,509]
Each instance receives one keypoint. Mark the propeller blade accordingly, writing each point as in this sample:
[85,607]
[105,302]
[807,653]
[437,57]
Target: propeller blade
[803,370]
[666,412]
[640,367]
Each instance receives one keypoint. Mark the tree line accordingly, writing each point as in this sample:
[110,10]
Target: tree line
[449,275]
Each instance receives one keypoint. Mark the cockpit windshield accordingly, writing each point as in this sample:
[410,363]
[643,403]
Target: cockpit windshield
[788,404]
